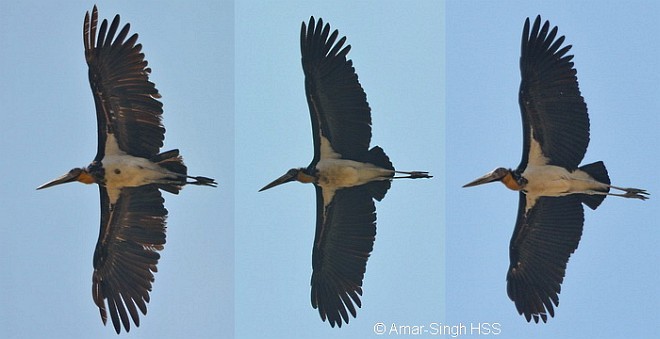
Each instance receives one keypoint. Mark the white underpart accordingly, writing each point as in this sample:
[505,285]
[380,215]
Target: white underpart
[555,181]
[124,170]
[335,173]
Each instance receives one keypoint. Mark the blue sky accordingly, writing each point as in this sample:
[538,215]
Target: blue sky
[442,82]
[610,289]
[48,236]
[395,47]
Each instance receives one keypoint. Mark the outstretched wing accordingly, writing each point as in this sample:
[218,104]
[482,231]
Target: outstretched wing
[345,234]
[554,115]
[337,103]
[125,99]
[132,231]
[548,230]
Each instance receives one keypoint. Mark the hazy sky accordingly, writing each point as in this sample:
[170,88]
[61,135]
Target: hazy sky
[442,81]
[48,236]
[611,285]
[398,52]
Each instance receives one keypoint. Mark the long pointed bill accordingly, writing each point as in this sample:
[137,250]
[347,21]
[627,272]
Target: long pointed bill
[69,177]
[490,177]
[289,176]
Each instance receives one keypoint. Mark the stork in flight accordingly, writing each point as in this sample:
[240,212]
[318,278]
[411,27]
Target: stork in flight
[129,170]
[347,174]
[552,184]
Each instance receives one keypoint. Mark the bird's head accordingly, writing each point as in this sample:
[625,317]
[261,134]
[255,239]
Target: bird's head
[502,174]
[294,174]
[76,174]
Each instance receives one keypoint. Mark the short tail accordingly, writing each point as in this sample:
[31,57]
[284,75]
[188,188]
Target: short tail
[377,156]
[173,162]
[597,171]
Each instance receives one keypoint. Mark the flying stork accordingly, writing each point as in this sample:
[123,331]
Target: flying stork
[552,187]
[129,171]
[347,174]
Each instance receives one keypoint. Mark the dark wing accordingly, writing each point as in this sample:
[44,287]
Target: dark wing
[541,244]
[345,235]
[132,231]
[553,111]
[337,103]
[125,99]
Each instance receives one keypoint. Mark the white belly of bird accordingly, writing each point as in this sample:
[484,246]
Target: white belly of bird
[124,170]
[555,181]
[129,171]
[338,173]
